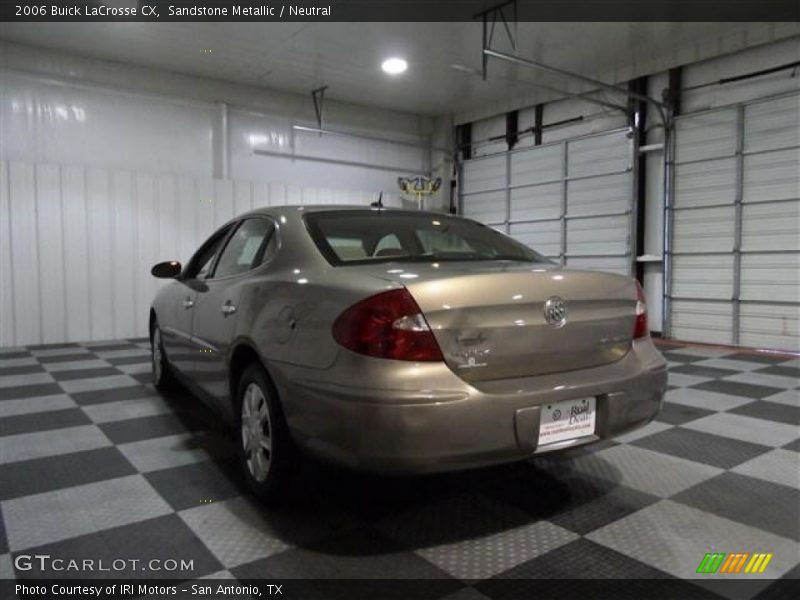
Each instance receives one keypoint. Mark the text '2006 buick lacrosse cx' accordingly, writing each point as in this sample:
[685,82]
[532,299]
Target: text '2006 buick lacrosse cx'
[400,342]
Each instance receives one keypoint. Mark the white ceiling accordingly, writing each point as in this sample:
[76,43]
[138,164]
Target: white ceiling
[298,57]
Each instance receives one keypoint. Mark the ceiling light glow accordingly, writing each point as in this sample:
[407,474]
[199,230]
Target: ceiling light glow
[394,66]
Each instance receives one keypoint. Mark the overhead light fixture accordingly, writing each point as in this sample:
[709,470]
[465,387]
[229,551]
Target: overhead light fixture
[394,66]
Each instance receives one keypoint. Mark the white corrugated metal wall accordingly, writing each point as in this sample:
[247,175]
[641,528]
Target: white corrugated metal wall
[77,242]
[571,200]
[736,225]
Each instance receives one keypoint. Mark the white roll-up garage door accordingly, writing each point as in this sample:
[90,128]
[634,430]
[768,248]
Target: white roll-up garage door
[736,225]
[570,200]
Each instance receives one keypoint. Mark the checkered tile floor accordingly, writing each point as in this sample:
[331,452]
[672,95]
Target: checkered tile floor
[94,463]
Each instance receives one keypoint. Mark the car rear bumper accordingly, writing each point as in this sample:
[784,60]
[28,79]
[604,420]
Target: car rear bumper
[442,423]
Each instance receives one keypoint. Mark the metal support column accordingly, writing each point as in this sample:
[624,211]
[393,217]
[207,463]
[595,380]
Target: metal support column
[564,182]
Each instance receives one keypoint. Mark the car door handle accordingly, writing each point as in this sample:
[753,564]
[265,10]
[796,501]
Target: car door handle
[228,308]
[188,303]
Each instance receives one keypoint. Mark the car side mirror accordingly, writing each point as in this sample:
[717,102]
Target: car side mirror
[166,270]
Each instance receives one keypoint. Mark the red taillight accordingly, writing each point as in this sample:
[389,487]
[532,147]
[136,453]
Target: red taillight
[640,327]
[387,325]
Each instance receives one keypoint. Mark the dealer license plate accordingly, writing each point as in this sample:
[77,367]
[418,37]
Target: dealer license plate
[566,420]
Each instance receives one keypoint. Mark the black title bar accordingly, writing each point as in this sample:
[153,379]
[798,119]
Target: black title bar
[400,10]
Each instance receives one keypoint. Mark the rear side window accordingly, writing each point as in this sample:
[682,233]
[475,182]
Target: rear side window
[246,248]
[371,236]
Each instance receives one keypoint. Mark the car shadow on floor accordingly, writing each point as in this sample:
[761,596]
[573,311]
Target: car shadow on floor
[424,511]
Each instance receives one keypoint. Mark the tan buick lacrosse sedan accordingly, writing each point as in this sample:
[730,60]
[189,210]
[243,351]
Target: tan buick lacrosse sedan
[399,341]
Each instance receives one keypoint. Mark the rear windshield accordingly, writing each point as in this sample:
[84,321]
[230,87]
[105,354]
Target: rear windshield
[373,236]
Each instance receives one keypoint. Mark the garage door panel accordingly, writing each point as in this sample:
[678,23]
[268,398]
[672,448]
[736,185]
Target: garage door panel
[772,124]
[536,202]
[610,264]
[771,226]
[770,326]
[704,322]
[484,174]
[602,235]
[706,136]
[705,183]
[488,207]
[599,195]
[538,165]
[772,176]
[599,155]
[771,277]
[709,276]
[543,236]
[704,230]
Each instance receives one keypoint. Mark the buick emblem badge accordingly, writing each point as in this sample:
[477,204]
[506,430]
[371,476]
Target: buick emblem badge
[555,312]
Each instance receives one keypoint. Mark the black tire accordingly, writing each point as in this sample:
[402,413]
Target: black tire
[163,378]
[268,482]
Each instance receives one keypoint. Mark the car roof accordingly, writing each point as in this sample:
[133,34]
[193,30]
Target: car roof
[293,209]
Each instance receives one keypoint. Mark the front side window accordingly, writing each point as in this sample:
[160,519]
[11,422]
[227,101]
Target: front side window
[201,263]
[246,248]
[368,236]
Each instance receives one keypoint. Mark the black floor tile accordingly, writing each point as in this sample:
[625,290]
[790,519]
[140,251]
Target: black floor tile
[354,554]
[767,359]
[51,346]
[143,377]
[702,371]
[736,388]
[679,357]
[762,504]
[162,538]
[23,370]
[67,358]
[583,559]
[67,470]
[698,446]
[619,502]
[139,340]
[43,421]
[795,445]
[192,485]
[29,391]
[16,354]
[84,373]
[677,414]
[111,347]
[112,395]
[3,539]
[771,411]
[128,360]
[144,428]
[596,589]
[782,370]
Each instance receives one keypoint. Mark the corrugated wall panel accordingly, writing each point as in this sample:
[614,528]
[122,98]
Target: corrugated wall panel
[76,255]
[123,239]
[708,322]
[771,277]
[77,243]
[25,279]
[772,175]
[537,165]
[705,183]
[703,276]
[706,135]
[604,235]
[599,195]
[599,155]
[703,230]
[771,227]
[488,207]
[542,201]
[770,326]
[51,252]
